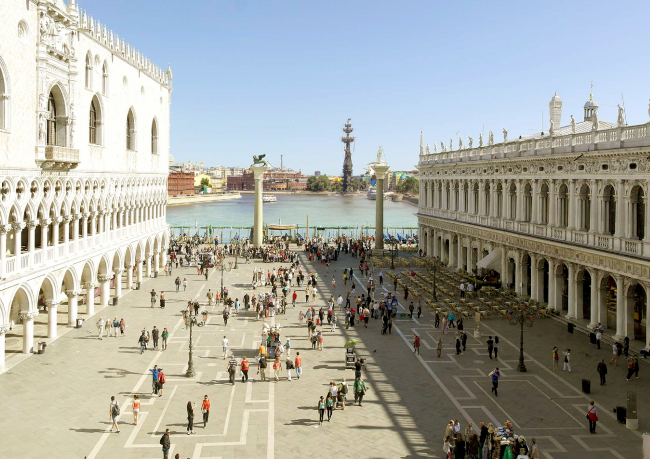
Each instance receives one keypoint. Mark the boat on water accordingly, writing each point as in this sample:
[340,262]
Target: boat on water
[269,198]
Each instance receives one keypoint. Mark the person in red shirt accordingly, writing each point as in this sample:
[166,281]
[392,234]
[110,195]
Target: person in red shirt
[245,364]
[416,345]
[205,409]
[298,365]
[293,298]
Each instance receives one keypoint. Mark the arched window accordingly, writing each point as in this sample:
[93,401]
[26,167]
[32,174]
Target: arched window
[4,98]
[105,78]
[93,123]
[89,71]
[154,138]
[130,131]
[51,120]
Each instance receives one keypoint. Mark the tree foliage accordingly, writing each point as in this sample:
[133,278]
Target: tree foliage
[410,184]
[320,183]
[205,182]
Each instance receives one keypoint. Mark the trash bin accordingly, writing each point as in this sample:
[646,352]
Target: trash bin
[137,285]
[115,301]
[621,414]
[79,323]
[570,327]
[592,338]
[41,347]
[155,274]
[586,386]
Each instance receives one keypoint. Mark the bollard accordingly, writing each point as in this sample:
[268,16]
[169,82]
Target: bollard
[632,419]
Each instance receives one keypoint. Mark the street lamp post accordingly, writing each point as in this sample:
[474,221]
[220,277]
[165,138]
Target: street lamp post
[236,252]
[521,317]
[435,293]
[190,363]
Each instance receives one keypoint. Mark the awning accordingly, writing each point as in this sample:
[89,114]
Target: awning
[491,261]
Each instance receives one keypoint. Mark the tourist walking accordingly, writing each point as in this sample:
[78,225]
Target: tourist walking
[615,353]
[416,345]
[161,382]
[533,451]
[602,371]
[329,405]
[298,365]
[490,346]
[556,358]
[495,374]
[630,368]
[155,334]
[142,340]
[439,347]
[232,368]
[359,389]
[245,365]
[567,360]
[116,326]
[288,365]
[177,281]
[184,284]
[599,337]
[437,320]
[496,347]
[165,335]
[136,409]
[205,409]
[153,297]
[114,413]
[287,347]
[190,417]
[321,410]
[592,415]
[277,366]
[166,444]
[261,366]
[224,346]
[100,327]
[154,379]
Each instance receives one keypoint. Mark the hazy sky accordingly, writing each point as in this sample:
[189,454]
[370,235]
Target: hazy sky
[282,77]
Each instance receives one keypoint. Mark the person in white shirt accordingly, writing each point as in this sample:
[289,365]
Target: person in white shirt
[339,301]
[224,345]
[100,327]
[599,336]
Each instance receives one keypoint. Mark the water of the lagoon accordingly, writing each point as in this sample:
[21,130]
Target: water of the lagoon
[292,209]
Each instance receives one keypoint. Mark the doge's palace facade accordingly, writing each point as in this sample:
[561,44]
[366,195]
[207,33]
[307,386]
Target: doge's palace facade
[84,146]
[562,216]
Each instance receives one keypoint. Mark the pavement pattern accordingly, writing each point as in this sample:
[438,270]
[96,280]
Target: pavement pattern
[56,405]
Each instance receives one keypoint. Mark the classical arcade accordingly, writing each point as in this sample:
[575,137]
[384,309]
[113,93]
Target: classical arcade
[84,145]
[560,217]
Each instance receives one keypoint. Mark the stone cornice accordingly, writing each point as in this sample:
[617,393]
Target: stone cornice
[613,263]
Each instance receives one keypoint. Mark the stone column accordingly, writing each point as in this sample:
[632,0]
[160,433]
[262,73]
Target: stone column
[73,306]
[535,207]
[481,197]
[90,298]
[138,271]
[84,229]
[104,289]
[148,266]
[621,308]
[461,196]
[552,266]
[620,210]
[75,233]
[3,331]
[66,234]
[55,235]
[520,203]
[504,267]
[552,204]
[593,307]
[118,282]
[129,276]
[459,256]
[571,313]
[519,273]
[602,307]
[31,242]
[469,255]
[258,234]
[380,173]
[28,330]
[573,212]
[52,310]
[17,228]
[156,261]
[534,276]
[3,254]
[594,208]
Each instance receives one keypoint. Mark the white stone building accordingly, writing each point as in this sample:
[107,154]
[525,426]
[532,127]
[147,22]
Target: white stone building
[562,216]
[84,148]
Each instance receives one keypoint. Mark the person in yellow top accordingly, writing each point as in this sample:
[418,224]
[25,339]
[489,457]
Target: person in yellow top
[263,349]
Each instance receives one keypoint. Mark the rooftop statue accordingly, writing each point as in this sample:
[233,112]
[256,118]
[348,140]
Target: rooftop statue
[259,160]
[621,116]
[595,127]
[471,141]
[505,135]
[451,145]
[460,143]
[573,125]
[480,139]
[435,148]
[491,138]
[427,150]
[551,129]
[380,156]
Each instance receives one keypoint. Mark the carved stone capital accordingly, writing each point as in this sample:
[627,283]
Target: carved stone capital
[129,265]
[45,221]
[32,224]
[85,215]
[56,220]
[118,271]
[66,219]
[28,315]
[52,304]
[4,329]
[4,229]
[72,293]
[89,285]
[104,277]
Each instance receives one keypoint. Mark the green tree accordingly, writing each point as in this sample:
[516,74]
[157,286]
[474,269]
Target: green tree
[409,184]
[205,182]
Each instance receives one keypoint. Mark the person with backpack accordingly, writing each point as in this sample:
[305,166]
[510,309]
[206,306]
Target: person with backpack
[165,335]
[142,341]
[154,379]
[226,314]
[161,382]
[166,444]
[178,282]
[359,390]
[114,413]
[245,365]
[288,366]
[261,367]
[232,368]
[154,334]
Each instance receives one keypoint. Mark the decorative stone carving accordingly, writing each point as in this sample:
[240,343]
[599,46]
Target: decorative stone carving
[427,150]
[28,315]
[505,135]
[621,116]
[480,140]
[491,138]
[573,125]
[471,141]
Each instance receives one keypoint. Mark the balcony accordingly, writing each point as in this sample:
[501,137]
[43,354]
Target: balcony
[60,158]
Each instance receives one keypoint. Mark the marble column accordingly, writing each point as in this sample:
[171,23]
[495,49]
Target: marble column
[621,307]
[138,271]
[459,256]
[534,277]
[573,213]
[118,282]
[593,307]
[552,204]
[52,310]
[73,306]
[75,233]
[104,289]
[55,234]
[148,266]
[129,276]
[28,331]
[535,203]
[504,267]
[31,241]
[571,313]
[620,210]
[17,229]
[552,284]
[380,173]
[90,298]
[3,254]
[3,331]
[602,306]
[258,233]
[593,207]
[519,273]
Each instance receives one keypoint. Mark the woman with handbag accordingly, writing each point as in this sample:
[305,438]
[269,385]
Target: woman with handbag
[592,415]
[190,417]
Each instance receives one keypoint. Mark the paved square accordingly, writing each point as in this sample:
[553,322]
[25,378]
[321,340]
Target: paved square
[56,405]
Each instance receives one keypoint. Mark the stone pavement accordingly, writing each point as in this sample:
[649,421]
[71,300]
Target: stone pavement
[56,404]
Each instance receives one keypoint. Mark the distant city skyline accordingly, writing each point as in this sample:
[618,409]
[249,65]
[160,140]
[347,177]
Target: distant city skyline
[282,78]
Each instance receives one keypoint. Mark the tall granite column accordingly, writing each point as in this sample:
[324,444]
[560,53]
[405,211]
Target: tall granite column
[258,173]
[380,173]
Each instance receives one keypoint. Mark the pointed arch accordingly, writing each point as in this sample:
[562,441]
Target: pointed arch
[154,136]
[105,78]
[131,130]
[96,121]
[89,70]
[5,97]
